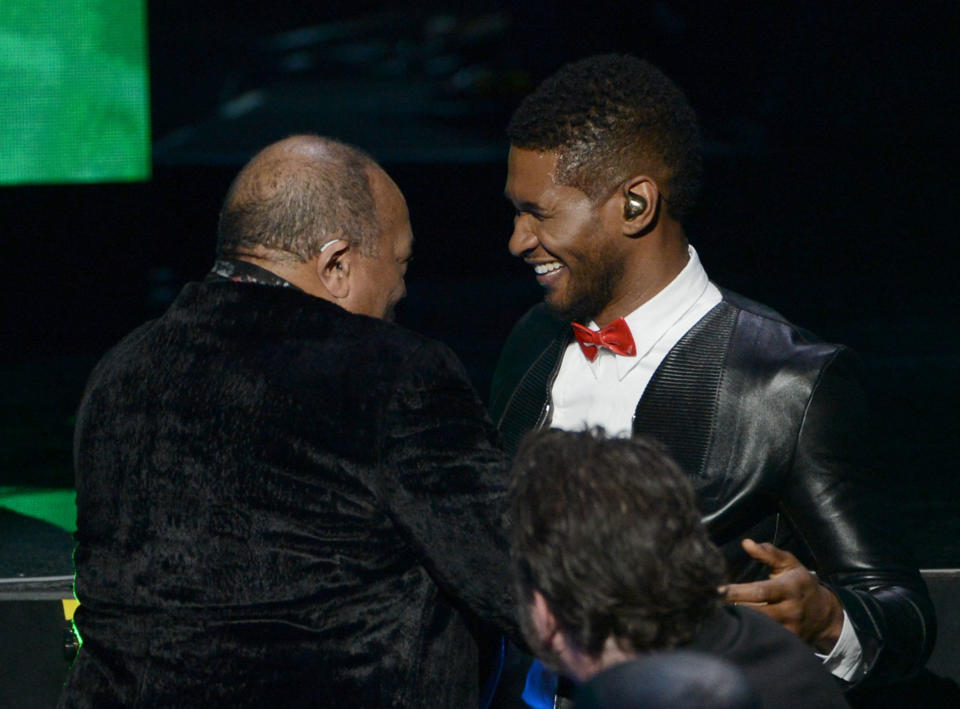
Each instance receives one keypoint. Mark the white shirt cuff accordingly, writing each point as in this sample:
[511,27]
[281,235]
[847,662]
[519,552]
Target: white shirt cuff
[846,659]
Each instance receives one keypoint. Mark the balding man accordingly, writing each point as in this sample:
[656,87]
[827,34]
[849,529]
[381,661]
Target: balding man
[283,497]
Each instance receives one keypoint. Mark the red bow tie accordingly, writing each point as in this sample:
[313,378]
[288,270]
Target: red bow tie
[615,337]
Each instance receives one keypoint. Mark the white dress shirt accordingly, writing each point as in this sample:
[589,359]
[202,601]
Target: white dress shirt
[605,392]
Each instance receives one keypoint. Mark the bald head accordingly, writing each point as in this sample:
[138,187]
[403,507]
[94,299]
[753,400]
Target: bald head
[298,194]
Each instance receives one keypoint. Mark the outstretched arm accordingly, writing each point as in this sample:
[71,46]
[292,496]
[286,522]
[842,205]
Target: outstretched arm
[447,484]
[792,596]
[832,498]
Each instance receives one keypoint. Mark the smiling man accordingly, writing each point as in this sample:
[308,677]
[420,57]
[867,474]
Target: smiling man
[282,498]
[766,420]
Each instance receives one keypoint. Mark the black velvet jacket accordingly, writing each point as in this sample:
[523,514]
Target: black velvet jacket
[771,426]
[281,502]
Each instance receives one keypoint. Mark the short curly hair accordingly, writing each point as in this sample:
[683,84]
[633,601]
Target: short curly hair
[609,117]
[608,530]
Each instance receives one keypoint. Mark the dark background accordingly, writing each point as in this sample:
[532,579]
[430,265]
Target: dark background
[831,143]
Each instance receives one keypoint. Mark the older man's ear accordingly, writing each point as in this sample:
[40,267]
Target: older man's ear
[333,267]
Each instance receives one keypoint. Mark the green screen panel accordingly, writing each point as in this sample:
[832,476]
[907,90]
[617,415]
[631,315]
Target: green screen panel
[57,507]
[74,91]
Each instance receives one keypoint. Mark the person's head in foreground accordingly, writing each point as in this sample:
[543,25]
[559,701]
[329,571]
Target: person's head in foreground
[325,217]
[610,557]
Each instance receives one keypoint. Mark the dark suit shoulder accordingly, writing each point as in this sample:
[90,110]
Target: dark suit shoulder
[289,316]
[533,333]
[752,306]
[537,328]
[275,344]
[779,666]
[763,335]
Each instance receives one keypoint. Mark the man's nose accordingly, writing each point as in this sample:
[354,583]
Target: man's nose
[522,240]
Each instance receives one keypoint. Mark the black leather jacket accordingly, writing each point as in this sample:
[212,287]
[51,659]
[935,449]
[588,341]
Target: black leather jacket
[771,425]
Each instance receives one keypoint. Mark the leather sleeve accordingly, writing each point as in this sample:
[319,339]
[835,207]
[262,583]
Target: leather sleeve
[447,484]
[833,499]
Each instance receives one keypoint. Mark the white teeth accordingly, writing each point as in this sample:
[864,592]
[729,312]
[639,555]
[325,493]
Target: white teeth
[542,268]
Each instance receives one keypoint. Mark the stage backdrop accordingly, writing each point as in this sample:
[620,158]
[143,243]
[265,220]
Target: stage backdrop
[74,91]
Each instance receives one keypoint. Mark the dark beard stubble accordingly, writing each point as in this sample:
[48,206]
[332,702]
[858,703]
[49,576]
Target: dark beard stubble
[597,277]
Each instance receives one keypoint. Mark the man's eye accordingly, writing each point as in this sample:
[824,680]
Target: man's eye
[536,215]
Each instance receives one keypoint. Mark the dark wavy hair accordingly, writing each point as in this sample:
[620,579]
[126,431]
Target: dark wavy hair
[293,195]
[610,117]
[608,530]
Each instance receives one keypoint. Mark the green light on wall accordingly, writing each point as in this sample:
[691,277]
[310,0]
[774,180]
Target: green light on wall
[57,507]
[74,91]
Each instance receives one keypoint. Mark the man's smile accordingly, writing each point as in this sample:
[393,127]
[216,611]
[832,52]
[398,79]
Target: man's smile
[541,269]
[548,272]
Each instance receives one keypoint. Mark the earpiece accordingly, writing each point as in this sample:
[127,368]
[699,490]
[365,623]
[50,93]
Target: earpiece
[635,206]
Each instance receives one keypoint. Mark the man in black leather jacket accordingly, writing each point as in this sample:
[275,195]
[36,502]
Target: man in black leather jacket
[768,421]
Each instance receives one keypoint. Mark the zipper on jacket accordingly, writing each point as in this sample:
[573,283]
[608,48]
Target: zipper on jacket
[546,413]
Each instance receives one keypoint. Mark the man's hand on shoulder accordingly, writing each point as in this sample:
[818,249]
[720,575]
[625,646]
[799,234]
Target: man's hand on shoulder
[792,596]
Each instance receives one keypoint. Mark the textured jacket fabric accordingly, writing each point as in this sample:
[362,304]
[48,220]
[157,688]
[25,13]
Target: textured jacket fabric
[778,671]
[280,502]
[779,667]
[772,428]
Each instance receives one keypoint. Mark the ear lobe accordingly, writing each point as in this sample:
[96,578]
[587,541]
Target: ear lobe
[333,267]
